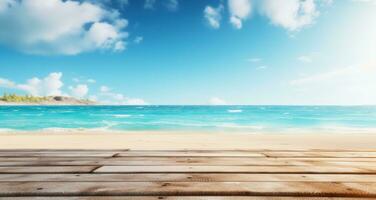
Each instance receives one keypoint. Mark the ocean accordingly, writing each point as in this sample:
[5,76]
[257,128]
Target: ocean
[189,118]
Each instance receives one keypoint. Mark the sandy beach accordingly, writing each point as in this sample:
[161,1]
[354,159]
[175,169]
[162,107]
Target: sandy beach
[157,140]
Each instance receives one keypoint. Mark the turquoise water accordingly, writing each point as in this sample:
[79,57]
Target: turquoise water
[234,118]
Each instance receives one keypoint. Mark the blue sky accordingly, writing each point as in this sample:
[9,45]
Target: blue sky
[191,52]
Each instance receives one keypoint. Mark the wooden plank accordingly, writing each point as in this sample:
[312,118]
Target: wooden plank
[165,161]
[186,150]
[190,154]
[324,159]
[237,159]
[48,169]
[322,154]
[56,154]
[335,163]
[193,162]
[313,189]
[50,159]
[179,198]
[75,161]
[191,159]
[187,177]
[49,163]
[235,169]
[253,150]
[198,150]
[62,151]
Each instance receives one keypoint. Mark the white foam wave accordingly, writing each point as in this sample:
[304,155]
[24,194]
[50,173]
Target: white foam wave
[5,130]
[121,116]
[237,126]
[37,114]
[59,129]
[235,111]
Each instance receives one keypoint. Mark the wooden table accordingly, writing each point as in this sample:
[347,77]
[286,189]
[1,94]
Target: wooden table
[187,174]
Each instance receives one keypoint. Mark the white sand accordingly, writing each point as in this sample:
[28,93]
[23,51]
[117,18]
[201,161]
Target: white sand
[185,140]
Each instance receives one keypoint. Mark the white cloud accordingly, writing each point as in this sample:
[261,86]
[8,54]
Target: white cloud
[149,4]
[49,86]
[290,14]
[261,67]
[52,84]
[254,60]
[213,15]
[217,101]
[91,80]
[79,91]
[136,102]
[104,89]
[138,39]
[305,59]
[60,27]
[93,98]
[239,10]
[83,79]
[5,83]
[106,96]
[172,5]
[236,22]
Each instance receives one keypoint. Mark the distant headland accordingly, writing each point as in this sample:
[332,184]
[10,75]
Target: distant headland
[14,99]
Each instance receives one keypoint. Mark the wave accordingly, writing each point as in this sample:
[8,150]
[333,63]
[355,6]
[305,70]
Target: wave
[121,115]
[225,127]
[235,111]
[32,114]
[74,130]
[5,130]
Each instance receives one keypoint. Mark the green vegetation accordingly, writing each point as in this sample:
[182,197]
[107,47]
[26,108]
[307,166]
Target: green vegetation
[20,98]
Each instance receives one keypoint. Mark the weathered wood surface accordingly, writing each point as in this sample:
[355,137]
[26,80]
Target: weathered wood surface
[184,174]
[181,198]
[186,177]
[190,162]
[235,169]
[184,160]
[47,169]
[343,189]
[322,154]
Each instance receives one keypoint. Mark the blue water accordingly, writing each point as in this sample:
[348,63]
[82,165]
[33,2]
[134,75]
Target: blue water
[234,118]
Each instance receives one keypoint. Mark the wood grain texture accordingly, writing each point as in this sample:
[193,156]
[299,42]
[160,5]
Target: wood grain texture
[236,169]
[179,198]
[313,189]
[184,174]
[48,169]
[186,177]
[322,154]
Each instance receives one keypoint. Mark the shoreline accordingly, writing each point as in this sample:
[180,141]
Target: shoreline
[230,129]
[165,140]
